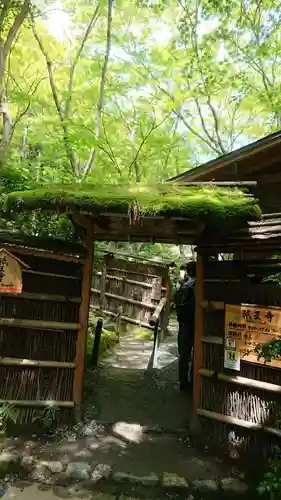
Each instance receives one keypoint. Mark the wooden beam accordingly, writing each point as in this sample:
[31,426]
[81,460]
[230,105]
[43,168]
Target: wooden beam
[225,419]
[35,363]
[241,381]
[38,325]
[155,317]
[199,331]
[83,318]
[42,254]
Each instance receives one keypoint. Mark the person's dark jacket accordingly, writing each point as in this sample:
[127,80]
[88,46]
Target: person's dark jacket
[185,301]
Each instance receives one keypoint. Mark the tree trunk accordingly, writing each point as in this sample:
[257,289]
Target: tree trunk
[6,126]
[5,49]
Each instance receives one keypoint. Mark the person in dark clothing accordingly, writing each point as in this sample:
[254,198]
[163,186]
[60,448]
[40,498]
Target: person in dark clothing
[185,309]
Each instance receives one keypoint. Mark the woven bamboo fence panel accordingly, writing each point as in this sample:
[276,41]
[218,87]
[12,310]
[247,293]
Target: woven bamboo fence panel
[134,288]
[46,317]
[234,283]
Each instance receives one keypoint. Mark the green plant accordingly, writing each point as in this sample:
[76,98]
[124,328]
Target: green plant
[50,416]
[271,483]
[8,414]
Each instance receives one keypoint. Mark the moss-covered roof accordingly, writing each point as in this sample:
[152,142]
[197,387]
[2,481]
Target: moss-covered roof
[167,199]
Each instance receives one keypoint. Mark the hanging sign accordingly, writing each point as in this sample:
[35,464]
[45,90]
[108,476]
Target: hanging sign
[10,272]
[247,326]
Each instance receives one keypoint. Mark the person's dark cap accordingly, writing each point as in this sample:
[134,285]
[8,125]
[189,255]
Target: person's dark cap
[190,267]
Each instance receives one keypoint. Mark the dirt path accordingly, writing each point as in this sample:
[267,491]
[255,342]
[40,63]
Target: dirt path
[127,390]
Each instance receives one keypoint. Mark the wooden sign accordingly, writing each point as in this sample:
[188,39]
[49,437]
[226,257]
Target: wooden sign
[10,272]
[247,326]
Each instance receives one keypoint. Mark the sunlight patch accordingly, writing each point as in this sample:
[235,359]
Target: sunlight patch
[130,432]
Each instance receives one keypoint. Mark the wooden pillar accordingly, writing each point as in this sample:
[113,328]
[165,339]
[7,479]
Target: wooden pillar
[83,317]
[199,331]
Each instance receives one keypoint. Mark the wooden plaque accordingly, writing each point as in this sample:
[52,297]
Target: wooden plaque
[247,326]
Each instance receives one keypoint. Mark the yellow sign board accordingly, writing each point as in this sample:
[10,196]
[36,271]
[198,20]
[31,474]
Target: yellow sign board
[247,326]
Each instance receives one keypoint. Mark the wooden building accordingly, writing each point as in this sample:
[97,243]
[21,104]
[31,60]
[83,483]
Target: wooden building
[259,161]
[236,405]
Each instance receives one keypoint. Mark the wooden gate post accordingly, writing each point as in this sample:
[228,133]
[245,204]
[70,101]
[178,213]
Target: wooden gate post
[83,316]
[199,332]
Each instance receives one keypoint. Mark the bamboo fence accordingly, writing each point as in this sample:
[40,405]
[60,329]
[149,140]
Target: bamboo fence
[38,333]
[223,398]
[133,287]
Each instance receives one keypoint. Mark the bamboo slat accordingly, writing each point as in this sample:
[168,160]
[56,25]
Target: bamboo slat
[36,324]
[210,339]
[36,363]
[124,318]
[40,296]
[242,381]
[54,275]
[225,419]
[125,299]
[126,271]
[132,282]
[38,404]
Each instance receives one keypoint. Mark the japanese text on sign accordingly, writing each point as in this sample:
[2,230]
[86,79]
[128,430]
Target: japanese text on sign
[247,326]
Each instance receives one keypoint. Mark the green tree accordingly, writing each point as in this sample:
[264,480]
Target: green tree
[12,15]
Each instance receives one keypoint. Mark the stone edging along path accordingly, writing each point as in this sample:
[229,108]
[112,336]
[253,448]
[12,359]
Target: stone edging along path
[101,477]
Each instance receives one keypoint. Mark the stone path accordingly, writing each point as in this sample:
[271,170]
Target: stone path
[133,437]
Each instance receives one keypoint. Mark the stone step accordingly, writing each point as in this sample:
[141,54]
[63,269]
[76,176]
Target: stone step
[152,468]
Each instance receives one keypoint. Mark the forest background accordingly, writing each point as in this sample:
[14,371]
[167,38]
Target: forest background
[130,91]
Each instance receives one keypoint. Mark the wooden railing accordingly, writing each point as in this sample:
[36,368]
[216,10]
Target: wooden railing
[155,322]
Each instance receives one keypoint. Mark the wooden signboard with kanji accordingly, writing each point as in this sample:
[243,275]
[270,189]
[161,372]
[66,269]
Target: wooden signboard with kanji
[10,272]
[247,326]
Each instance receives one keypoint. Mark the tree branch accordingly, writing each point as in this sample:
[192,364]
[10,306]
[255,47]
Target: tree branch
[91,159]
[20,17]
[154,127]
[20,115]
[111,154]
[87,33]
[216,123]
[68,149]
[188,126]
[3,13]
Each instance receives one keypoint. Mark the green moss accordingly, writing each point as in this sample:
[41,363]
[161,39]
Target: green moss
[142,333]
[171,199]
[107,341]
